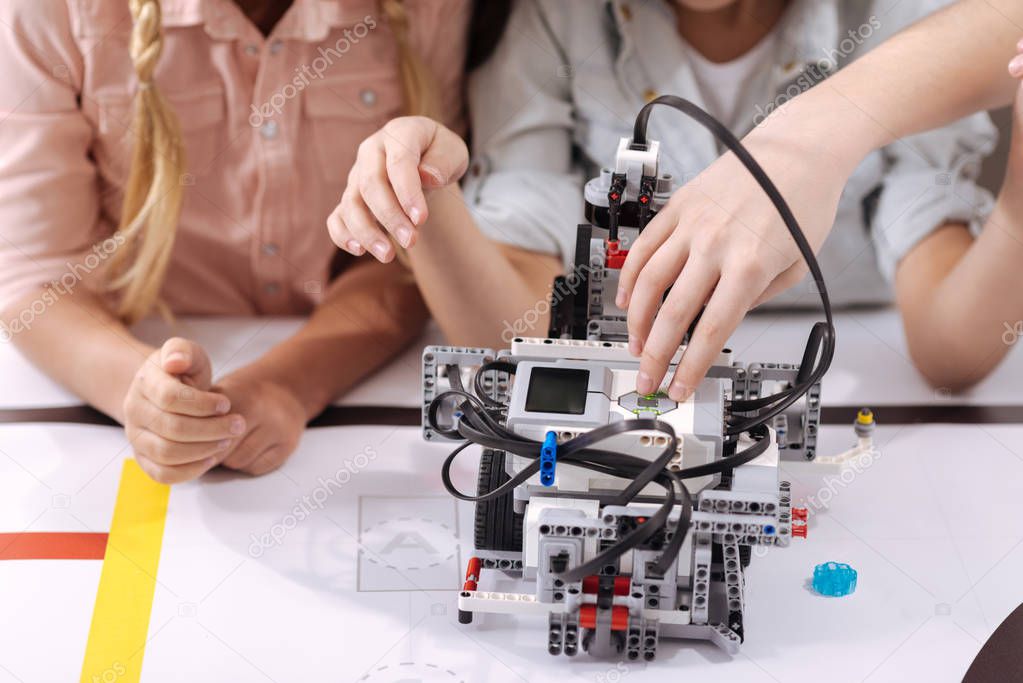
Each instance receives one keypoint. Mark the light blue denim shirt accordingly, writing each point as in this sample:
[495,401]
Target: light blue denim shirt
[569,76]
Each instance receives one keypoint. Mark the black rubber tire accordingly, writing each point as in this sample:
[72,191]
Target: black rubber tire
[497,526]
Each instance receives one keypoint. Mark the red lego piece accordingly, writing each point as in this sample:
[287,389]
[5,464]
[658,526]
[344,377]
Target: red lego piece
[799,530]
[619,618]
[615,256]
[800,514]
[472,574]
[622,585]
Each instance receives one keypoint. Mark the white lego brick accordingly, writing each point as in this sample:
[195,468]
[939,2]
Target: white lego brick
[532,522]
[588,349]
[724,501]
[761,474]
[577,349]
[506,603]
[716,518]
[643,161]
[667,616]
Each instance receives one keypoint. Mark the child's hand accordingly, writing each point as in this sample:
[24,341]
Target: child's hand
[386,185]
[178,427]
[720,246]
[275,419]
[1011,196]
[1016,71]
[1016,65]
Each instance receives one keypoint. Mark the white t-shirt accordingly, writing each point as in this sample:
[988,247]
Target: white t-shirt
[721,84]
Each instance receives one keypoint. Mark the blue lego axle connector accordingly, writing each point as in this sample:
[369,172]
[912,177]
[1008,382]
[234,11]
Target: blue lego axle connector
[548,459]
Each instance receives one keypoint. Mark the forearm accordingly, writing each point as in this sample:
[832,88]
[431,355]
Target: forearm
[78,342]
[370,313]
[944,67]
[476,289]
[961,308]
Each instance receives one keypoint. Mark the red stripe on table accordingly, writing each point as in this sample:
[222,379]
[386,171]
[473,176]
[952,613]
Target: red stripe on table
[55,545]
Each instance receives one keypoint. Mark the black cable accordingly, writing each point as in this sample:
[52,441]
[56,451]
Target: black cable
[479,416]
[671,551]
[454,376]
[821,341]
[577,452]
[478,427]
[505,366]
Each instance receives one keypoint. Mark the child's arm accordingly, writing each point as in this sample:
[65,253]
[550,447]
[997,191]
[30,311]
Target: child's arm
[177,422]
[720,241]
[485,262]
[50,218]
[476,288]
[177,426]
[961,298]
[370,313]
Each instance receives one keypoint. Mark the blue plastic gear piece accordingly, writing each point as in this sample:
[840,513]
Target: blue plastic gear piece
[834,579]
[548,458]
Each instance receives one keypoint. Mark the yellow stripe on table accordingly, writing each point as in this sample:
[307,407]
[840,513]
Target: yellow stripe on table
[120,619]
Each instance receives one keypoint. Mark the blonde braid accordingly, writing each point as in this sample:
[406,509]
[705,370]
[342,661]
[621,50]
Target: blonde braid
[417,82]
[153,194]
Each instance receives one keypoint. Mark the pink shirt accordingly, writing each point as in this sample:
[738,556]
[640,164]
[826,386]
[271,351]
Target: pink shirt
[270,125]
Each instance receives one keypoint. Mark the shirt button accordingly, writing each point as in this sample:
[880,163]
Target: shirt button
[252,50]
[368,97]
[276,47]
[269,130]
[272,288]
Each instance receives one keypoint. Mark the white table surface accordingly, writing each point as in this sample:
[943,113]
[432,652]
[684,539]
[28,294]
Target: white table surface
[871,366]
[938,570]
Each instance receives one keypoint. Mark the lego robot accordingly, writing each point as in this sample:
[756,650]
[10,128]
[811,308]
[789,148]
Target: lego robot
[618,204]
[633,516]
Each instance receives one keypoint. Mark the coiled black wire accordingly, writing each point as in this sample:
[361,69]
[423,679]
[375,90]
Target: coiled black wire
[478,426]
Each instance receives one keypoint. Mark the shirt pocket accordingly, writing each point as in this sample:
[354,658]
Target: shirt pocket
[201,118]
[343,112]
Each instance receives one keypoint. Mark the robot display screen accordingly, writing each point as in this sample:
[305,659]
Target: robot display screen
[557,390]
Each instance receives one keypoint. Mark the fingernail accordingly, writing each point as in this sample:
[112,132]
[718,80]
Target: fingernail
[238,425]
[635,346]
[1016,66]
[644,385]
[223,406]
[414,215]
[621,298]
[177,355]
[380,249]
[404,236]
[678,392]
[354,247]
[209,463]
[1019,45]
[434,173]
[223,444]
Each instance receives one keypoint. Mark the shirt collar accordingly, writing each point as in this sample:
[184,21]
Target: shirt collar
[808,31]
[308,20]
